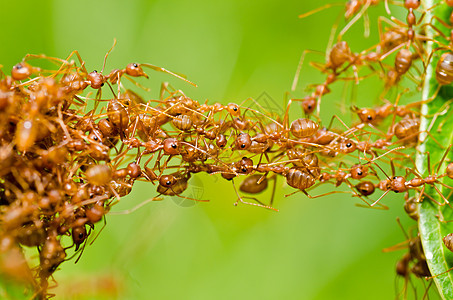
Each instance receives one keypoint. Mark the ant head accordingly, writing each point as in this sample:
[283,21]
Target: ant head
[245,165]
[135,70]
[397,184]
[221,141]
[171,146]
[79,234]
[359,171]
[167,180]
[347,146]
[134,170]
[366,115]
[233,109]
[96,79]
[96,136]
[411,4]
[352,7]
[21,71]
[309,104]
[243,141]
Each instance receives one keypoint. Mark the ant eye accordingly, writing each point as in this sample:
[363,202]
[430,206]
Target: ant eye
[95,138]
[348,145]
[135,65]
[309,107]
[18,66]
[168,182]
[95,71]
[394,177]
[243,146]
[370,118]
[173,146]
[244,169]
[359,173]
[81,235]
[235,108]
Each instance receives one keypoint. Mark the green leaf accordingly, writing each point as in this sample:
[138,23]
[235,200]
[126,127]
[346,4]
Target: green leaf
[435,119]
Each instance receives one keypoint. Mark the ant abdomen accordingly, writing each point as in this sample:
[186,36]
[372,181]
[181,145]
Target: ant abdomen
[302,128]
[365,188]
[403,61]
[253,184]
[182,122]
[299,179]
[448,241]
[444,69]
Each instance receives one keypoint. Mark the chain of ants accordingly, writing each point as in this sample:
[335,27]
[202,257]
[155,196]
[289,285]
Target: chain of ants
[63,165]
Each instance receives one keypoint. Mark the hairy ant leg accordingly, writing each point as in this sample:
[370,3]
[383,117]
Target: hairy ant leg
[239,199]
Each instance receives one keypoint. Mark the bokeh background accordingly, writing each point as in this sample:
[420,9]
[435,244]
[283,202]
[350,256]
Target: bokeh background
[325,248]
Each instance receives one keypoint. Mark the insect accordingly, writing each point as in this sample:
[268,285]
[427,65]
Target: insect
[400,184]
[354,9]
[412,262]
[174,185]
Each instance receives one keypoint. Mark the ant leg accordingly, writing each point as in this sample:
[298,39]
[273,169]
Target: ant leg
[97,235]
[107,54]
[159,69]
[366,24]
[430,197]
[378,206]
[333,31]
[425,295]
[131,210]
[354,20]
[443,158]
[163,89]
[274,178]
[299,67]
[441,218]
[441,195]
[82,63]
[382,196]
[239,199]
[193,199]
[256,199]
[81,251]
[137,84]
[316,10]
[317,196]
[396,48]
[434,276]
[387,8]
[398,22]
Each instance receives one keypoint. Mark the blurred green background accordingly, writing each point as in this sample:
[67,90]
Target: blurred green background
[312,249]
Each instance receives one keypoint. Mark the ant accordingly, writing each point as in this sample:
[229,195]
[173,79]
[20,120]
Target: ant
[414,261]
[400,184]
[355,9]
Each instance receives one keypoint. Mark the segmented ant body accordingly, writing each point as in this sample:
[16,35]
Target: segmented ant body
[400,184]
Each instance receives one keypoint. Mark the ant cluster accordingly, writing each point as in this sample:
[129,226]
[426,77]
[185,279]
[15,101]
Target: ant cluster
[67,158]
